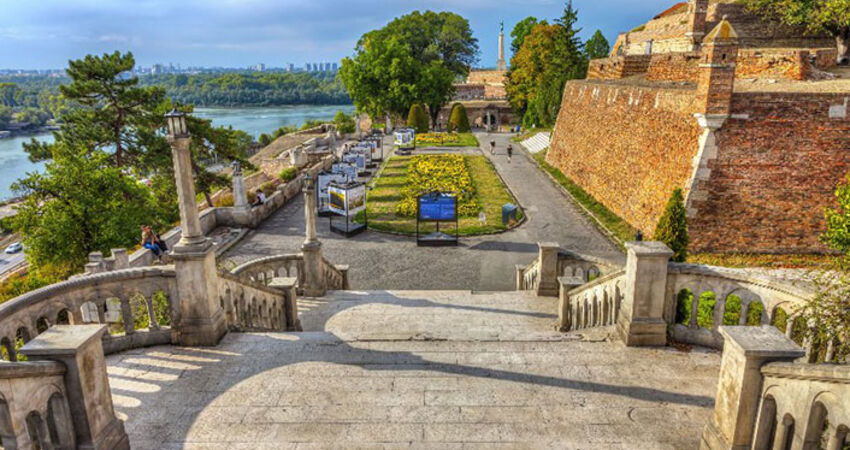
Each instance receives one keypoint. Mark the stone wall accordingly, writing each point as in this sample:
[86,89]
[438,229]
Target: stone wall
[486,77]
[617,67]
[682,67]
[780,158]
[628,146]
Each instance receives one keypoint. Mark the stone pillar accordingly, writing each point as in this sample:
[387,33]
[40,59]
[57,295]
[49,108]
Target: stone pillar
[241,207]
[696,188]
[80,349]
[745,351]
[697,13]
[200,319]
[314,278]
[641,320]
[548,257]
[291,322]
[122,259]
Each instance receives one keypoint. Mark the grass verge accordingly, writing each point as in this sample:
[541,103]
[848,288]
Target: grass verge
[618,227]
[490,193]
[742,260]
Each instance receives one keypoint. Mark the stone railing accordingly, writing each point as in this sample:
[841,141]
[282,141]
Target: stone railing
[553,262]
[264,270]
[123,299]
[701,298]
[765,400]
[252,306]
[595,304]
[60,398]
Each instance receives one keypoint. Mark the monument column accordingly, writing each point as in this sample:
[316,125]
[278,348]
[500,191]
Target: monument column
[199,317]
[501,64]
[313,282]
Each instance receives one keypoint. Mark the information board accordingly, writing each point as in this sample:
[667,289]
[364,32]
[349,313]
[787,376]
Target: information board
[347,200]
[437,208]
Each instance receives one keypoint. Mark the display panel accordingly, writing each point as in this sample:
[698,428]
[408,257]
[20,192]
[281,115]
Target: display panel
[440,207]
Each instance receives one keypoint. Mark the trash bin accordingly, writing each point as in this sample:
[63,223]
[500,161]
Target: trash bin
[509,213]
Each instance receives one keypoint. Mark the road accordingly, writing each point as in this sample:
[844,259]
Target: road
[483,263]
[9,262]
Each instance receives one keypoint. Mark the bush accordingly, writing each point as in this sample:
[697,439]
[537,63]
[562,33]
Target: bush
[268,188]
[223,201]
[264,139]
[283,131]
[458,120]
[288,174]
[444,173]
[6,225]
[312,123]
[344,123]
[672,229]
[417,119]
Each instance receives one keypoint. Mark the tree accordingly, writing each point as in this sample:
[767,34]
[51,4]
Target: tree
[344,123]
[215,145]
[597,46]
[568,63]
[413,59]
[80,204]
[5,116]
[458,120]
[837,234]
[672,229]
[817,16]
[418,119]
[10,94]
[521,30]
[112,113]
[528,67]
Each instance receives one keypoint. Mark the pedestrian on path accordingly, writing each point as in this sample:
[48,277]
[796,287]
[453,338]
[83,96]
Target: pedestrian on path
[510,152]
[492,147]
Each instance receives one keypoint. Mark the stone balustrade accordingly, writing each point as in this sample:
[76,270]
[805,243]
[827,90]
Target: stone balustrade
[768,399]
[584,305]
[60,398]
[553,262]
[264,270]
[702,298]
[137,303]
[252,306]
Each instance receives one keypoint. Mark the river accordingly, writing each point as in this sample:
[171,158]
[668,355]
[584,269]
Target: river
[14,162]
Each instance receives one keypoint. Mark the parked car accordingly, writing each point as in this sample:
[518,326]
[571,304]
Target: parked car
[14,248]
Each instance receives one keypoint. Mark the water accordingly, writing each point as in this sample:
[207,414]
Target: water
[14,162]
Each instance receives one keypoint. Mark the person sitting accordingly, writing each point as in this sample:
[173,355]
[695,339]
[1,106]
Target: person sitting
[261,198]
[150,241]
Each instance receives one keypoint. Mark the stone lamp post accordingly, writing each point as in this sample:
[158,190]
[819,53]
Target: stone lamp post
[200,319]
[313,282]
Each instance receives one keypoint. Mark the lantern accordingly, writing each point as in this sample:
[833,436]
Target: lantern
[176,123]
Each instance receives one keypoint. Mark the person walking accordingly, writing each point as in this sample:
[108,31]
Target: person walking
[492,147]
[510,152]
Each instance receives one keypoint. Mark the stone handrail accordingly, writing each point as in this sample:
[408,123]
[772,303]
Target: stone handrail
[113,297]
[263,270]
[754,292]
[336,275]
[553,262]
[252,306]
[585,305]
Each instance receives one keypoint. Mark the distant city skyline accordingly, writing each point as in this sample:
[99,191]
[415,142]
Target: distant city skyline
[44,35]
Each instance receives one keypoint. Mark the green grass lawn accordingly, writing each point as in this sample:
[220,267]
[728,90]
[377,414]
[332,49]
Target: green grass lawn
[446,140]
[616,225]
[489,191]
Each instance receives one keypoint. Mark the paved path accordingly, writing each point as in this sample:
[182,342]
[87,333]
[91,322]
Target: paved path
[485,263]
[442,370]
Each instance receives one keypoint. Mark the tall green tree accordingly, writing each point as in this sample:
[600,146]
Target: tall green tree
[458,120]
[597,46]
[5,116]
[528,67]
[817,16]
[413,59]
[568,63]
[672,228]
[81,203]
[112,114]
[418,119]
[520,31]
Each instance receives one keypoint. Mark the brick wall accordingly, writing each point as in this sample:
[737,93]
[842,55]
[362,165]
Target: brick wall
[682,67]
[617,67]
[627,146]
[486,76]
[779,159]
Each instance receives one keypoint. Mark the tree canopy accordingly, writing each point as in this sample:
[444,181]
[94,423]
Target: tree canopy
[414,59]
[520,31]
[818,16]
[597,46]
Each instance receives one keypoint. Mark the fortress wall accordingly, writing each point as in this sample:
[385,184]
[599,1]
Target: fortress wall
[628,146]
[617,67]
[486,77]
[779,160]
[674,67]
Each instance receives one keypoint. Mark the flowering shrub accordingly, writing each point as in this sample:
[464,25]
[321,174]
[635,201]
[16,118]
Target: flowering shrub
[444,173]
[438,138]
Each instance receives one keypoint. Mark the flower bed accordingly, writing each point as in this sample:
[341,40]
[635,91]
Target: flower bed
[447,139]
[442,173]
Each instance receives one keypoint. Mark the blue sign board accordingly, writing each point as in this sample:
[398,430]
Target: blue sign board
[437,207]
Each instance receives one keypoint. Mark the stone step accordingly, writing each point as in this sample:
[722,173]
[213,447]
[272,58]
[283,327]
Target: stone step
[537,143]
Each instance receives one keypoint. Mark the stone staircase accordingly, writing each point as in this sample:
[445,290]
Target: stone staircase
[537,143]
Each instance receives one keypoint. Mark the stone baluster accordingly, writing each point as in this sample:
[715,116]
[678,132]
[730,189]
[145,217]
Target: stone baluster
[641,320]
[783,428]
[200,319]
[745,351]
[80,349]
[151,313]
[127,316]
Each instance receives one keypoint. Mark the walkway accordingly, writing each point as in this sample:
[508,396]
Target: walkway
[485,263]
[445,370]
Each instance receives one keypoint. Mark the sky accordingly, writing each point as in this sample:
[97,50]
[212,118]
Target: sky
[45,34]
